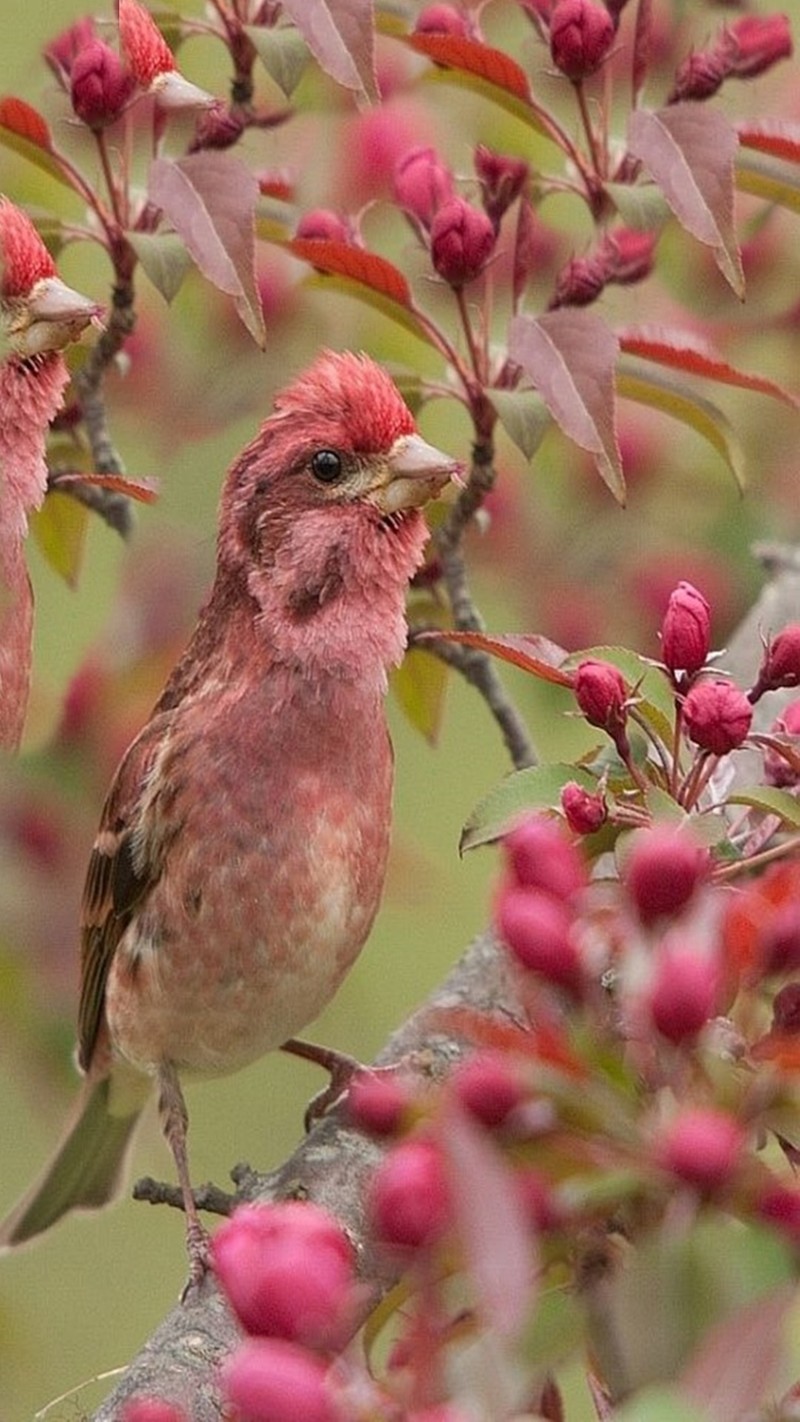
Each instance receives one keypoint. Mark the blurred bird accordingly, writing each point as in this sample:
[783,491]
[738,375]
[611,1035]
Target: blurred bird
[242,848]
[39,315]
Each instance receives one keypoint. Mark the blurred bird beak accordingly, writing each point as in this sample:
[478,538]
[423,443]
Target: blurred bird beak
[50,317]
[413,473]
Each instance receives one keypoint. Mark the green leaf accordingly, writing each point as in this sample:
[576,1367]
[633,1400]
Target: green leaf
[640,205]
[537,788]
[637,380]
[164,260]
[770,802]
[420,684]
[524,417]
[283,53]
[59,528]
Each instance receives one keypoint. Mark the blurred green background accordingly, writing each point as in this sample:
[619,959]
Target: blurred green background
[559,558]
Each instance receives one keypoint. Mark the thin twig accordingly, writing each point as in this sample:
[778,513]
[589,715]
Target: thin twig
[89,380]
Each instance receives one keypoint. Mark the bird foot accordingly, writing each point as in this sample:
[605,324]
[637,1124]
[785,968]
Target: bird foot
[198,1248]
[340,1067]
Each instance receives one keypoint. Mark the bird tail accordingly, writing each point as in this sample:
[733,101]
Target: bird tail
[86,1168]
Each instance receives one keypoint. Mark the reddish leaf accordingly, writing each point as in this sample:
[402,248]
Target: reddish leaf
[26,122]
[526,650]
[686,351]
[735,1366]
[773,136]
[570,356]
[341,36]
[469,55]
[497,1242]
[210,200]
[642,45]
[689,151]
[364,267]
[145,491]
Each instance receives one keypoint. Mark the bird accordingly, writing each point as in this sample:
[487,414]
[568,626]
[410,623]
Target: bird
[39,316]
[242,847]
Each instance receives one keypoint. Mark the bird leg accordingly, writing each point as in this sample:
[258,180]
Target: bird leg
[174,1123]
[340,1067]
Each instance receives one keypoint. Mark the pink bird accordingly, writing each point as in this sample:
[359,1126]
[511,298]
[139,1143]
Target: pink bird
[242,847]
[39,315]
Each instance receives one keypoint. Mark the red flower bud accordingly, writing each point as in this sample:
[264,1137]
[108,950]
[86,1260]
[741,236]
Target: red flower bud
[786,1010]
[698,76]
[99,85]
[410,1201]
[322,225]
[217,127]
[580,281]
[701,1147]
[377,1103]
[421,184]
[629,255]
[537,929]
[753,43]
[62,52]
[287,1270]
[488,1087]
[581,34]
[584,812]
[779,940]
[441,20]
[501,179]
[152,1409]
[542,857]
[601,693]
[664,868]
[462,241]
[778,770]
[780,665]
[779,1205]
[686,630]
[269,1380]
[683,993]
[717,715]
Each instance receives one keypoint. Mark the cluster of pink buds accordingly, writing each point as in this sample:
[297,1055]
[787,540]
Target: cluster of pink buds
[743,49]
[623,257]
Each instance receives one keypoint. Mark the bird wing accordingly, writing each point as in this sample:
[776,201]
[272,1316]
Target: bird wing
[124,866]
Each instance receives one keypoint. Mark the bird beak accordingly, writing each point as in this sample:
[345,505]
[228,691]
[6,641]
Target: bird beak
[413,473]
[51,316]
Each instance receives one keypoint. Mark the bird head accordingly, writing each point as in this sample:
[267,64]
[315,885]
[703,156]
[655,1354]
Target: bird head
[322,511]
[39,313]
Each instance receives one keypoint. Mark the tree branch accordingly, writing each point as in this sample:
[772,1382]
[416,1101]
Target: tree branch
[332,1166]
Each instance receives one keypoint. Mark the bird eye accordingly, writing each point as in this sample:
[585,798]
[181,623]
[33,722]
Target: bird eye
[326,465]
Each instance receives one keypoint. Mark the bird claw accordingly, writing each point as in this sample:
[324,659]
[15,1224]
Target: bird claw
[198,1247]
[340,1067]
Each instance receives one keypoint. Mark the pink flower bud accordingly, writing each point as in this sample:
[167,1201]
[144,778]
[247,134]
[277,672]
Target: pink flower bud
[780,665]
[778,770]
[717,715]
[287,1270]
[488,1087]
[537,929]
[441,20]
[542,857]
[779,940]
[584,812]
[501,179]
[698,76]
[581,34]
[686,630]
[754,43]
[62,52]
[377,1103]
[269,1380]
[601,694]
[629,256]
[218,127]
[580,282]
[786,1010]
[462,241]
[99,85]
[702,1147]
[664,868]
[683,993]
[322,225]
[152,1409]
[410,1201]
[421,184]
[779,1205]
